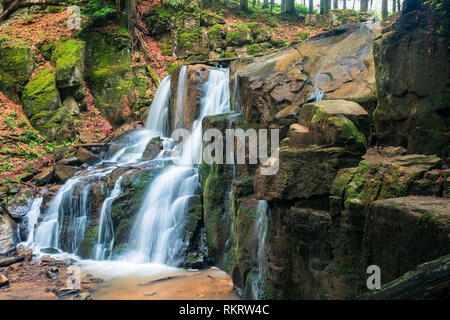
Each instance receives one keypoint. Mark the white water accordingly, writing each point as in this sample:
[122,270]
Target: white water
[156,240]
[33,216]
[156,234]
[106,231]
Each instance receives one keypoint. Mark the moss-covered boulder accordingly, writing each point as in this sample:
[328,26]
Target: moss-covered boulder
[68,58]
[109,73]
[16,66]
[260,32]
[216,37]
[42,102]
[239,35]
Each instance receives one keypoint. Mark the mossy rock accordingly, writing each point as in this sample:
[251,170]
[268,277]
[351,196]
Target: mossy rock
[260,32]
[68,58]
[239,35]
[86,248]
[41,100]
[109,74]
[254,49]
[16,66]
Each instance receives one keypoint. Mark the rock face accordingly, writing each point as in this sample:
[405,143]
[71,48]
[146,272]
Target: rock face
[16,66]
[8,234]
[68,58]
[405,232]
[337,64]
[196,76]
[412,69]
[110,75]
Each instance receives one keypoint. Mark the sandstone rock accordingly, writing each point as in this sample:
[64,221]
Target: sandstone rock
[4,281]
[8,234]
[64,172]
[412,82]
[72,161]
[87,156]
[184,116]
[314,167]
[405,232]
[426,282]
[44,177]
[334,65]
[153,148]
[288,115]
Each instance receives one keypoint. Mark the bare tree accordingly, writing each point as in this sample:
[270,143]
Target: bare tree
[364,5]
[384,9]
[344,4]
[335,4]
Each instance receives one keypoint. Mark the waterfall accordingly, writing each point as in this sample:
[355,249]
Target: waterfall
[64,224]
[258,282]
[106,231]
[32,219]
[156,234]
[158,117]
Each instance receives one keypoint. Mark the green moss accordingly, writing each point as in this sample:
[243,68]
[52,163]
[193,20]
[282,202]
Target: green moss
[16,66]
[254,49]
[87,245]
[239,35]
[40,94]
[66,56]
[153,74]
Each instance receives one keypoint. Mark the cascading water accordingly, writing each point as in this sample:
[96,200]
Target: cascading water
[156,234]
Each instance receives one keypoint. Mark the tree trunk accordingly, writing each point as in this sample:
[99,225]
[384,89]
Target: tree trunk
[364,5]
[394,7]
[271,5]
[311,6]
[384,9]
[244,5]
[371,5]
[266,4]
[290,7]
[336,4]
[399,5]
[344,4]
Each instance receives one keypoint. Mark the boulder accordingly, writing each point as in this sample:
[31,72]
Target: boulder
[109,73]
[412,68]
[20,204]
[153,148]
[8,234]
[315,168]
[16,66]
[44,177]
[335,65]
[68,58]
[41,102]
[239,35]
[64,172]
[260,32]
[87,156]
[405,232]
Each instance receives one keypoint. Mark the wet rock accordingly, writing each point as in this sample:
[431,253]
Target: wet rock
[153,148]
[87,156]
[413,230]
[4,281]
[82,296]
[64,172]
[196,76]
[73,161]
[288,115]
[44,177]
[20,204]
[51,272]
[329,66]
[68,58]
[8,234]
[64,292]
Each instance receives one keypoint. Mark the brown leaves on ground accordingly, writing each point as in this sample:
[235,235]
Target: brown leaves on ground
[21,145]
[93,126]
[39,28]
[145,6]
